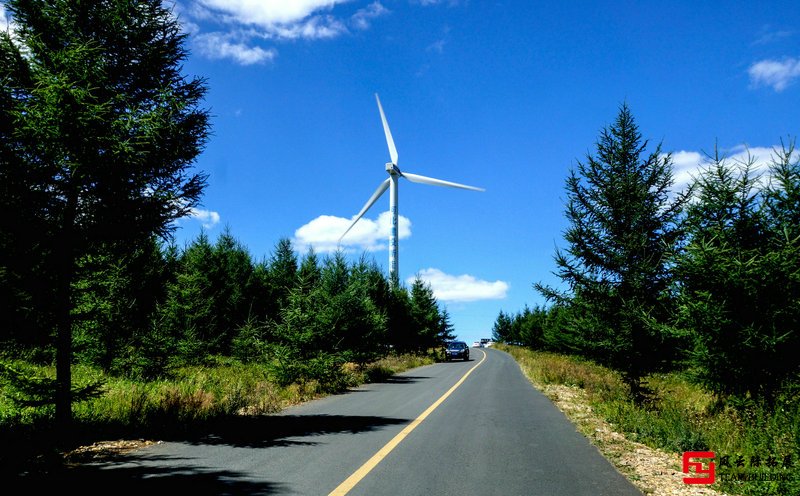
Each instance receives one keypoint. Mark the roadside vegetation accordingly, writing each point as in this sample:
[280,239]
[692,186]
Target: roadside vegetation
[679,312]
[757,439]
[220,336]
[183,404]
[109,328]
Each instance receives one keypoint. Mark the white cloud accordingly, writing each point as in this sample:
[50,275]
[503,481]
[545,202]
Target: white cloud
[268,13]
[314,28]
[240,25]
[190,27]
[207,218]
[689,164]
[323,233]
[237,29]
[686,165]
[428,3]
[461,288]
[219,46]
[437,46]
[4,23]
[361,19]
[7,24]
[769,37]
[272,19]
[778,74]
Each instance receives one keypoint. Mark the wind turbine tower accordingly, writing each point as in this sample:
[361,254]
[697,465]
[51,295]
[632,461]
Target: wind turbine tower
[391,183]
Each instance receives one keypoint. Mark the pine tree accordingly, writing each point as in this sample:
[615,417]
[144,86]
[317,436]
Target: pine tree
[400,325]
[282,273]
[232,279]
[740,279]
[782,197]
[425,316]
[446,329]
[531,326]
[104,129]
[622,229]
[189,313]
[372,290]
[115,298]
[502,328]
[309,274]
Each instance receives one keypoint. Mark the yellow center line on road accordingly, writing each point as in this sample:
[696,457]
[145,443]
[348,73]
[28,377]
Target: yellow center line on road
[349,483]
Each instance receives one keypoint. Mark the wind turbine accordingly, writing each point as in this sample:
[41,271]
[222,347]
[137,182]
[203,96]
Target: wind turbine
[391,184]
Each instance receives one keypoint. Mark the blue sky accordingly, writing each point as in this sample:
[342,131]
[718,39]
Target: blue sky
[504,95]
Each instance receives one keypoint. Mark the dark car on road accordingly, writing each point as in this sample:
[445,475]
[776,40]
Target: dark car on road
[456,349]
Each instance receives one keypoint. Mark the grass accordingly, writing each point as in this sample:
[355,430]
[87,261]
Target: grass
[184,404]
[680,417]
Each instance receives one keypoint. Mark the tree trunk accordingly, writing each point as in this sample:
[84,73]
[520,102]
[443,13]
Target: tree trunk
[64,254]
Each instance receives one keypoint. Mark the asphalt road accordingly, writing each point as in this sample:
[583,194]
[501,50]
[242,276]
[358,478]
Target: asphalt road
[494,434]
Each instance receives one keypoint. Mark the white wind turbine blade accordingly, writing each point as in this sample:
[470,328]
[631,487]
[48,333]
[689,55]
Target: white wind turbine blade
[389,140]
[416,178]
[377,194]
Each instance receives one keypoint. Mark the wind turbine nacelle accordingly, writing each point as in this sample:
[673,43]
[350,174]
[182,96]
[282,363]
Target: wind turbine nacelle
[391,168]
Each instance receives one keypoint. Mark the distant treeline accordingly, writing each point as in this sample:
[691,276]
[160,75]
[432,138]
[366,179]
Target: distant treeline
[705,280]
[164,307]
